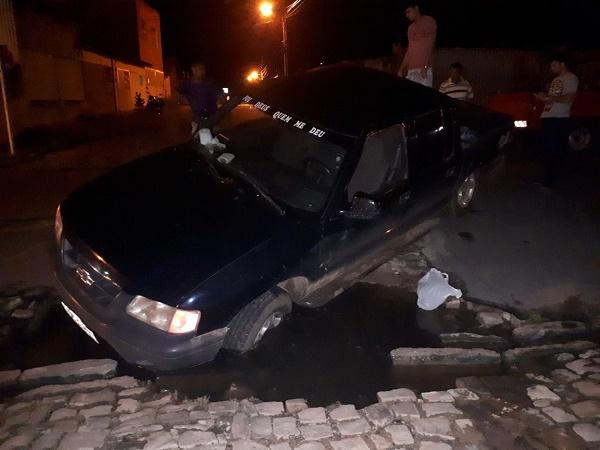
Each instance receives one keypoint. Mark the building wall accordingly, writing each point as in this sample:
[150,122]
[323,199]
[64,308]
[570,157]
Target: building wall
[149,35]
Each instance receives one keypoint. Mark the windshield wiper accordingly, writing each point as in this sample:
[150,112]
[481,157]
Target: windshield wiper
[248,179]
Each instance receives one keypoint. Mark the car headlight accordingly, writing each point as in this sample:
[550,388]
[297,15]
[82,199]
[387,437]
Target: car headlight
[163,317]
[58,225]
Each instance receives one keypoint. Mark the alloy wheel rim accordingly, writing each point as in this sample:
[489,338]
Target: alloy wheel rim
[466,191]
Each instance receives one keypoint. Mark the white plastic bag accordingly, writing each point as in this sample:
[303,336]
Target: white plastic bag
[211,143]
[433,290]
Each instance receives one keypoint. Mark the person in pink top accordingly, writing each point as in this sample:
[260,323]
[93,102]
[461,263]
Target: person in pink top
[418,60]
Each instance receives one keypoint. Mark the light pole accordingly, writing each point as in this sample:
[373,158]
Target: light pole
[267,11]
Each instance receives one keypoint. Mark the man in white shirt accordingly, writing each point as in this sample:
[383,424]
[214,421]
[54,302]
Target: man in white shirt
[456,86]
[555,116]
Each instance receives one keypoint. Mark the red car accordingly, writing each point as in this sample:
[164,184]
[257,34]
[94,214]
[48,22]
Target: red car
[526,110]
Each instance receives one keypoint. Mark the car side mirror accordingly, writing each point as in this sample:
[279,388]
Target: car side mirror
[362,207]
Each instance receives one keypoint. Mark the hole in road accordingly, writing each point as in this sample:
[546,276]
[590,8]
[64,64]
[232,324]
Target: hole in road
[336,353]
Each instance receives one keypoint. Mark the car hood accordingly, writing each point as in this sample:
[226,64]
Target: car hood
[165,223]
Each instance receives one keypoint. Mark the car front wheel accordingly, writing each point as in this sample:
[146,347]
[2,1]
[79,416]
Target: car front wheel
[251,324]
[463,194]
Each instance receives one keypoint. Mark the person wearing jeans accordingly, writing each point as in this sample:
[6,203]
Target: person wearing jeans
[556,117]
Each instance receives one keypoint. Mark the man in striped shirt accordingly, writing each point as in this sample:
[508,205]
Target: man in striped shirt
[456,86]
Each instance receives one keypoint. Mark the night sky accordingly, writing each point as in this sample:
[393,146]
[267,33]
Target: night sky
[228,35]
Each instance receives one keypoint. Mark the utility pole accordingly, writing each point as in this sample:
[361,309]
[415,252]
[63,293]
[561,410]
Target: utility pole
[285,45]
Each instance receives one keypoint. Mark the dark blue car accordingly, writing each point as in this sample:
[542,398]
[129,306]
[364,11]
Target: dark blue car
[290,193]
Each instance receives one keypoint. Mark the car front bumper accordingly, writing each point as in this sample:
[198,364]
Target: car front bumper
[136,342]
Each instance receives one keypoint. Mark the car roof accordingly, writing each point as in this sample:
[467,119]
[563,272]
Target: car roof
[348,99]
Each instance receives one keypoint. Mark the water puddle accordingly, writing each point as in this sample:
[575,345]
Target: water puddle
[337,353]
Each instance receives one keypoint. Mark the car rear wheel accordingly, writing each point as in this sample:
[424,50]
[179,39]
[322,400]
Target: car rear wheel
[463,194]
[251,324]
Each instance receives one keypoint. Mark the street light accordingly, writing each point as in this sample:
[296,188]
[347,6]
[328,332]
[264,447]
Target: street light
[267,11]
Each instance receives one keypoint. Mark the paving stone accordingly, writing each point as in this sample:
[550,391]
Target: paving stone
[594,376]
[467,433]
[17,419]
[248,445]
[62,399]
[22,314]
[397,395]
[39,414]
[83,440]
[559,415]
[240,426]
[316,432]
[542,403]
[405,410]
[125,382]
[586,409]
[588,388]
[438,409]
[17,442]
[564,357]
[539,378]
[564,376]
[269,408]
[541,392]
[400,434]
[192,439]
[47,441]
[582,366]
[102,410]
[66,426]
[12,409]
[516,354]
[165,399]
[587,431]
[438,397]
[285,427]
[311,446]
[92,398]
[463,394]
[356,443]
[343,413]
[408,356]
[429,445]
[590,354]
[489,319]
[280,446]
[162,440]
[435,427]
[559,438]
[311,416]
[174,418]
[133,416]
[473,340]
[9,377]
[546,331]
[226,407]
[381,442]
[63,413]
[295,405]
[133,392]
[354,427]
[261,427]
[134,426]
[127,406]
[61,389]
[69,372]
[379,415]
[98,423]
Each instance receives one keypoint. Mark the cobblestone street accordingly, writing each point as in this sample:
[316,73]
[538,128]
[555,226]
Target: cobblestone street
[558,410]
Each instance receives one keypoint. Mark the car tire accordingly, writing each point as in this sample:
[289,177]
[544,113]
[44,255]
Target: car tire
[249,326]
[463,194]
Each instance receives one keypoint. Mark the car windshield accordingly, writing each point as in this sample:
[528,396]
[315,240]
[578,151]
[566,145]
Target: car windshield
[295,167]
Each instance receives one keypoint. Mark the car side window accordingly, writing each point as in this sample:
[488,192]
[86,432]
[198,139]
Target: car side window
[382,165]
[434,138]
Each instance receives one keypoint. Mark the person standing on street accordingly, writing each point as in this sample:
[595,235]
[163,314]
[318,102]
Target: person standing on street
[456,86]
[556,117]
[202,94]
[418,60]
